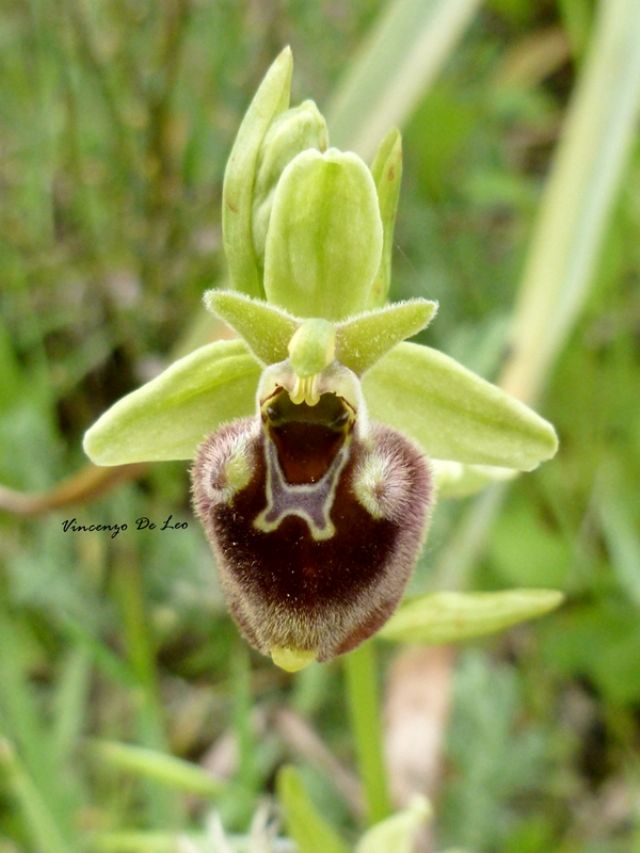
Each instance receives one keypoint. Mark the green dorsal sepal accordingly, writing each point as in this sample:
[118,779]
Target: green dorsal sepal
[362,340]
[266,329]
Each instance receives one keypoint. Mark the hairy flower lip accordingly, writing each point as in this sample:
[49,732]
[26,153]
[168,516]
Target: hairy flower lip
[289,588]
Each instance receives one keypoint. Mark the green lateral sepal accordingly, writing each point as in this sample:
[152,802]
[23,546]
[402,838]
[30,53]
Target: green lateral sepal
[169,416]
[454,414]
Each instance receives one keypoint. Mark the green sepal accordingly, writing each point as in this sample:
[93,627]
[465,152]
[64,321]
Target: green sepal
[362,340]
[271,98]
[169,416]
[325,236]
[293,131]
[266,329]
[454,414]
[303,821]
[448,617]
[397,832]
[387,175]
[455,480]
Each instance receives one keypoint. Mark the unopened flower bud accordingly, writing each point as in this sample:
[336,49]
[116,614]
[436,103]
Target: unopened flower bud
[290,133]
[325,237]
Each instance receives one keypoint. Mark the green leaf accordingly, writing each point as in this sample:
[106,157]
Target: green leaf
[447,617]
[454,414]
[159,767]
[387,175]
[169,416]
[325,236]
[362,340]
[271,99]
[398,832]
[266,329]
[305,825]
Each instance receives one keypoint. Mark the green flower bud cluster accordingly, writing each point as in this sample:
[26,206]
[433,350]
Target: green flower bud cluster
[307,227]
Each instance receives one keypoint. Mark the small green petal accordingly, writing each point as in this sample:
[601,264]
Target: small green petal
[397,833]
[313,347]
[266,329]
[387,175]
[293,131]
[325,236]
[447,617]
[271,99]
[169,416]
[454,414]
[364,339]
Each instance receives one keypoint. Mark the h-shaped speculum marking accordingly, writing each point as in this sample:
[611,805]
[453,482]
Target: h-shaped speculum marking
[312,502]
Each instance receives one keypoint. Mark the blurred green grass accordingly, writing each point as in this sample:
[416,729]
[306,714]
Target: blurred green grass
[115,122]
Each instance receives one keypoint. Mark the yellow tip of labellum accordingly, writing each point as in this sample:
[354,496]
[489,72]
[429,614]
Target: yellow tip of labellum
[292,660]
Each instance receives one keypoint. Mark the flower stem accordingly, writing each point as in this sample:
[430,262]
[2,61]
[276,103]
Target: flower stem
[362,691]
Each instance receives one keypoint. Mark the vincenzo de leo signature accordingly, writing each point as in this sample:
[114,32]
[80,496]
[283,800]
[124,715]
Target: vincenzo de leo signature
[72,525]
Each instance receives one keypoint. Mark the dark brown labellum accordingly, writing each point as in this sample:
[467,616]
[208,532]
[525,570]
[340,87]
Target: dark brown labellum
[315,529]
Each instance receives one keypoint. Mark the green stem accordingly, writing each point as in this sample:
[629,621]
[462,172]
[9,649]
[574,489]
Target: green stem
[362,690]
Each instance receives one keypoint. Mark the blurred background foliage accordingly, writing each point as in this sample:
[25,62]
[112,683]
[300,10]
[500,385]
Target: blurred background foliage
[115,122]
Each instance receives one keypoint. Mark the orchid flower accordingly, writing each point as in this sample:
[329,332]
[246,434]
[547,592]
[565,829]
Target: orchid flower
[320,437]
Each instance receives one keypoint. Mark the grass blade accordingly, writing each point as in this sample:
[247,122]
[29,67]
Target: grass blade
[578,199]
[401,57]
